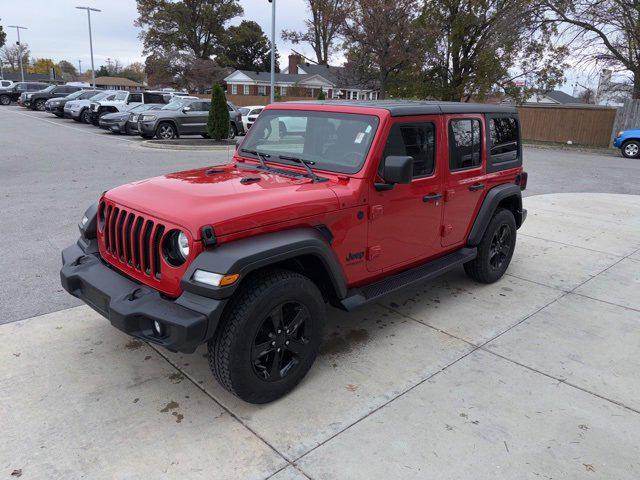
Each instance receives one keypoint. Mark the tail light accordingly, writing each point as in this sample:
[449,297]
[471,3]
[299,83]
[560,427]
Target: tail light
[521,180]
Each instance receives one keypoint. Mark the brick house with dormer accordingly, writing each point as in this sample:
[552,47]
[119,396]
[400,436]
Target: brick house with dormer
[298,80]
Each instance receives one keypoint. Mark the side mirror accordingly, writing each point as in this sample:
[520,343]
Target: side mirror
[396,169]
[186,109]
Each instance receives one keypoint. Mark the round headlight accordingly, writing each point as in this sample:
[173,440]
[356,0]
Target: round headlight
[175,248]
[183,245]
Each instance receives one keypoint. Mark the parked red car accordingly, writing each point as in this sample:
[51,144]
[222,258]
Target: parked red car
[324,202]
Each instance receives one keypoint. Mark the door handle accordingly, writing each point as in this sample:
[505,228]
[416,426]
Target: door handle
[476,187]
[432,197]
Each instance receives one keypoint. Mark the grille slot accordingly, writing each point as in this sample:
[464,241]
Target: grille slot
[133,240]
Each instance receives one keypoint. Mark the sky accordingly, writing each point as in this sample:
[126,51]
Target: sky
[57,30]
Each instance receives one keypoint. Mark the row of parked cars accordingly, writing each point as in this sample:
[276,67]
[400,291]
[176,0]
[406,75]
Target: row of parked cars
[160,114]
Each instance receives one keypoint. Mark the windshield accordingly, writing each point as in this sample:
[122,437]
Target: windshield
[48,89]
[176,105]
[244,111]
[141,108]
[100,96]
[73,95]
[337,142]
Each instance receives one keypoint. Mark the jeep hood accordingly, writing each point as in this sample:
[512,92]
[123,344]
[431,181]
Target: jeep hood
[228,198]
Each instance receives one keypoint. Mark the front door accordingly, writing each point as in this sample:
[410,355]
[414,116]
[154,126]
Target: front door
[404,222]
[464,179]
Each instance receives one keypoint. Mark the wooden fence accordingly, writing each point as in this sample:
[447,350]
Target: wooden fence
[628,117]
[585,125]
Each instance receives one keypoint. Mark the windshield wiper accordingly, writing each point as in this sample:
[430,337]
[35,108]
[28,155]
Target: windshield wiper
[262,158]
[305,164]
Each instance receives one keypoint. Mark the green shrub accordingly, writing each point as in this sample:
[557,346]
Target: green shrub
[218,123]
[322,96]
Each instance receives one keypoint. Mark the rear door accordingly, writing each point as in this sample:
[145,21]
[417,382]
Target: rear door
[464,180]
[202,117]
[404,222]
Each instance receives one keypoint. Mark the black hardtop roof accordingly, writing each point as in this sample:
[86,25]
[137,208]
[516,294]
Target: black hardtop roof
[400,108]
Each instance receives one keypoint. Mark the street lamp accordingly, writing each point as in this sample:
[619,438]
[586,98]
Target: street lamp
[18,28]
[273,49]
[93,69]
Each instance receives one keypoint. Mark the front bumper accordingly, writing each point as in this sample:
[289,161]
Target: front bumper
[147,128]
[115,127]
[131,307]
[617,142]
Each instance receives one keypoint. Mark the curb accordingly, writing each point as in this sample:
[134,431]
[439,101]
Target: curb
[212,148]
[574,148]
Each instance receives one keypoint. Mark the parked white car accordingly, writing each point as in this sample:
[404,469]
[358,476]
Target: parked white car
[250,114]
[80,110]
[123,102]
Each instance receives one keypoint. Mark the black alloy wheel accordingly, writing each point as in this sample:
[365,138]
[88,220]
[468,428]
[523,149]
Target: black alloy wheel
[282,341]
[500,247]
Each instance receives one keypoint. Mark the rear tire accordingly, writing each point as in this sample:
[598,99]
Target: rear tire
[269,336]
[233,131]
[495,249]
[630,149]
[5,100]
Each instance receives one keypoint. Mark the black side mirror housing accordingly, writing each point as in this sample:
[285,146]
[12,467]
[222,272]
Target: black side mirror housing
[396,169]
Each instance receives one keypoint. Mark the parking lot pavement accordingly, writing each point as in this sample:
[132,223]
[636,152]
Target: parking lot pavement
[532,377]
[51,170]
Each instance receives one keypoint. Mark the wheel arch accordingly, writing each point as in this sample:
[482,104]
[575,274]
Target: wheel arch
[502,196]
[173,123]
[303,250]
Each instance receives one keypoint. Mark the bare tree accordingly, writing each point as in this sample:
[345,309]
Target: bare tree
[382,38]
[606,32]
[11,54]
[322,29]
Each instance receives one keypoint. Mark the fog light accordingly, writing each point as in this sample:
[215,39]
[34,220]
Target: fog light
[157,327]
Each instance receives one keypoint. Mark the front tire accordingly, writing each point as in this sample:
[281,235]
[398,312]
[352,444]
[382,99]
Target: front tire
[85,116]
[39,105]
[495,249]
[5,100]
[166,131]
[630,149]
[269,337]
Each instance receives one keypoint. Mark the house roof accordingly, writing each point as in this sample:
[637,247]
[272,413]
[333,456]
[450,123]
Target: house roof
[401,108]
[116,82]
[266,76]
[562,97]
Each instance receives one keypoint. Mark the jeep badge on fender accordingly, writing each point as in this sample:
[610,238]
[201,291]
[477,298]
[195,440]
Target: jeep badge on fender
[204,256]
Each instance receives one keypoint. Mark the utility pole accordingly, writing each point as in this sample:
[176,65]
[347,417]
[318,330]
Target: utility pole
[79,67]
[93,68]
[18,28]
[273,49]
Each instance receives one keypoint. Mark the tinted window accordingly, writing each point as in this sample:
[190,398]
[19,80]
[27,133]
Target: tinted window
[154,98]
[465,144]
[414,140]
[205,106]
[504,135]
[135,98]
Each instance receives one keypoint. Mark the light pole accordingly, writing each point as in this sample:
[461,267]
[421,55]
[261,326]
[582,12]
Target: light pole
[273,49]
[79,67]
[93,69]
[18,28]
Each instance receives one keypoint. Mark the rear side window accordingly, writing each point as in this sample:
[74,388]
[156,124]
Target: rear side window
[504,135]
[416,140]
[135,98]
[465,144]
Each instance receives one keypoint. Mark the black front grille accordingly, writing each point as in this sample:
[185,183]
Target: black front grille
[133,240]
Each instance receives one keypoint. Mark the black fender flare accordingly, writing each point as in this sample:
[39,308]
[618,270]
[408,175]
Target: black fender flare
[489,205]
[249,254]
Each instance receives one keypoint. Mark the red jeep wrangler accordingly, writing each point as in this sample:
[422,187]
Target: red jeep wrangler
[338,202]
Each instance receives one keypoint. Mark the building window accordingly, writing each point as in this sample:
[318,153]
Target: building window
[465,144]
[245,89]
[283,91]
[234,89]
[262,90]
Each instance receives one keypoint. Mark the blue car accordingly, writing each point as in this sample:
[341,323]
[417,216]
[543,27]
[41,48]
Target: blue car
[628,141]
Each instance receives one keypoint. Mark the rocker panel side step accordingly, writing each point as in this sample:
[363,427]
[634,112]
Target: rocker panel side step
[359,296]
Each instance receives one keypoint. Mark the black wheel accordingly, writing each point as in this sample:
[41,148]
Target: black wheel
[5,100]
[495,249]
[269,337]
[85,116]
[631,149]
[39,105]
[233,130]
[165,131]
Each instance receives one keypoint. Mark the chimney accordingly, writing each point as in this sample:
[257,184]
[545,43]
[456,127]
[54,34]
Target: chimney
[294,61]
